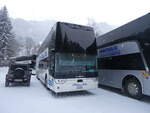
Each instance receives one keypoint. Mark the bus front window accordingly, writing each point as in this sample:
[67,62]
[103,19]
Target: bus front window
[77,60]
[76,63]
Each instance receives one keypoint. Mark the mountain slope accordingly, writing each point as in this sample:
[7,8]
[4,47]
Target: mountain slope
[38,30]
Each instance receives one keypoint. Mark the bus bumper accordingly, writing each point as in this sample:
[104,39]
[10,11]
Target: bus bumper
[74,85]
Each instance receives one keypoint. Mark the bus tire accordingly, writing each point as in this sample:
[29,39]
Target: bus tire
[46,82]
[133,88]
[57,94]
[37,77]
[28,83]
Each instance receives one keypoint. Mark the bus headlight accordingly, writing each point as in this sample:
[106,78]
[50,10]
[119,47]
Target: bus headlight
[60,81]
[145,74]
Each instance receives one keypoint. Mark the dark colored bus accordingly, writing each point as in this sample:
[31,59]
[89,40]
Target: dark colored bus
[66,60]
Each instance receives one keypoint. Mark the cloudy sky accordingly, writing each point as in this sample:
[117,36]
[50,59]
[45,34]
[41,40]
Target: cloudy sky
[115,12]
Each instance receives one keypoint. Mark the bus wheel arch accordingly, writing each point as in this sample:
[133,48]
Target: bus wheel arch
[132,85]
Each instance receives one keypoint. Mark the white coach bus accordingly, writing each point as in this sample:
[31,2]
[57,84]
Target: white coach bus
[66,60]
[124,58]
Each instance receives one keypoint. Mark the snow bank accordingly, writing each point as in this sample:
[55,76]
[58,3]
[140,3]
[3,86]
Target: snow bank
[36,99]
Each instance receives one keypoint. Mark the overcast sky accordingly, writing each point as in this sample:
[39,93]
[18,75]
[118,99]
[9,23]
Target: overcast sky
[114,12]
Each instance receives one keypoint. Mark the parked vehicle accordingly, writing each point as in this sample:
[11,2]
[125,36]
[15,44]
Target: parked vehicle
[18,73]
[66,60]
[124,58]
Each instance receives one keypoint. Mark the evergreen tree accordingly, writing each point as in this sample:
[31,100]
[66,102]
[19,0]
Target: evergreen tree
[6,35]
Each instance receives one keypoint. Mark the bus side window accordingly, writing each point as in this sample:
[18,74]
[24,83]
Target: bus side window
[122,62]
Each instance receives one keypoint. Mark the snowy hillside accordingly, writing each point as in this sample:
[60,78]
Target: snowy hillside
[38,30]
[34,29]
[36,99]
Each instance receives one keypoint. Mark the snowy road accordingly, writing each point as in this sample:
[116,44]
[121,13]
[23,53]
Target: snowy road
[36,99]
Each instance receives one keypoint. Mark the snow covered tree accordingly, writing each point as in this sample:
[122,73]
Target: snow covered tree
[6,34]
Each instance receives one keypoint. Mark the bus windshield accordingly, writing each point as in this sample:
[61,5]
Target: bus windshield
[71,66]
[72,63]
[69,60]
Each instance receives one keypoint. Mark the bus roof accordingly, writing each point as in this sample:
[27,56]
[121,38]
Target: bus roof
[128,31]
[67,37]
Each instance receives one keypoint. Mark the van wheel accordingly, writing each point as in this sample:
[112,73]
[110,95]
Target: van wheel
[133,88]
[6,83]
[28,83]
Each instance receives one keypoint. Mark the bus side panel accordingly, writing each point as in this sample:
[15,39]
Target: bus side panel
[114,78]
[146,88]
[51,83]
[68,85]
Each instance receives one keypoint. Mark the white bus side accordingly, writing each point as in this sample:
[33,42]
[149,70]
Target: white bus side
[121,62]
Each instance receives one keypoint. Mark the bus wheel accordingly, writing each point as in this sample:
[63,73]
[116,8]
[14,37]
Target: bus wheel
[28,83]
[133,88]
[57,94]
[46,84]
[37,77]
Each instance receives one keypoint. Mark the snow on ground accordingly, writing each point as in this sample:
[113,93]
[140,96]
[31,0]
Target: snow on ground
[36,99]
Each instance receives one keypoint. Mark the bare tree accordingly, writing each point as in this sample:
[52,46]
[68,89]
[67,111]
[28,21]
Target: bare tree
[29,46]
[94,24]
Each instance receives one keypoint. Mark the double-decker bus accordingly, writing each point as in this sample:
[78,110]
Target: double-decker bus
[66,60]
[124,58]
